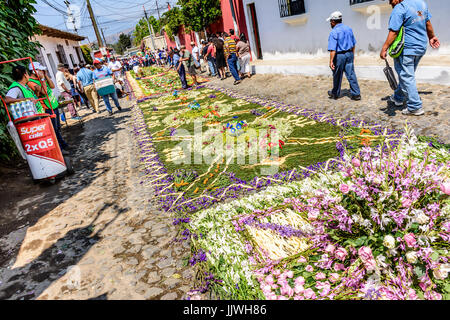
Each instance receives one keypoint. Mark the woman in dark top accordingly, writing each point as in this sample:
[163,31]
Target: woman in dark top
[220,57]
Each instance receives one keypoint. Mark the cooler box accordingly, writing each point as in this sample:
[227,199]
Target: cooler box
[105,86]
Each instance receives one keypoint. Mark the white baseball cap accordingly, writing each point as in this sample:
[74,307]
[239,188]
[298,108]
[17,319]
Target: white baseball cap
[37,66]
[337,15]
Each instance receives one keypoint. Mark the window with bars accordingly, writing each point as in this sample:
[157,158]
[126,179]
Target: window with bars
[353,2]
[291,7]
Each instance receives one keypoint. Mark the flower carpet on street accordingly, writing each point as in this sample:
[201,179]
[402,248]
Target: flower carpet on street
[157,81]
[331,209]
[242,146]
[379,228]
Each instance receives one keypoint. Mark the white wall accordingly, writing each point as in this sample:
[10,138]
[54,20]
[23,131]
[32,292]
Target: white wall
[49,46]
[311,37]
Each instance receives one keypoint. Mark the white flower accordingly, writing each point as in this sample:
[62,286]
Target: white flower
[441,272]
[381,261]
[389,242]
[411,257]
[422,218]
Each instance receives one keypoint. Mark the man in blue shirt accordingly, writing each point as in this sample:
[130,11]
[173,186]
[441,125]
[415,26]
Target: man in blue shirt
[413,15]
[103,72]
[85,78]
[341,45]
[179,67]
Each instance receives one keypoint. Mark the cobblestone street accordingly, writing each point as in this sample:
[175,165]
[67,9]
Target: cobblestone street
[103,239]
[311,93]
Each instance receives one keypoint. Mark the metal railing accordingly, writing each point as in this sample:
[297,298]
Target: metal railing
[291,7]
[352,2]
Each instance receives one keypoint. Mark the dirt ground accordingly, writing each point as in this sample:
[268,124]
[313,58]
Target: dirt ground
[311,93]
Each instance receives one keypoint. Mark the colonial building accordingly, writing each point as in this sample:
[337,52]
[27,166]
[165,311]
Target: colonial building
[233,17]
[58,47]
[296,27]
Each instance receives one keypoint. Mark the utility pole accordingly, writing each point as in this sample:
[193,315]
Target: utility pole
[71,18]
[150,29]
[94,24]
[106,44]
[157,8]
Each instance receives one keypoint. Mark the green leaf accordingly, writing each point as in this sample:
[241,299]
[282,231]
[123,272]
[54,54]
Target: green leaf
[435,256]
[419,271]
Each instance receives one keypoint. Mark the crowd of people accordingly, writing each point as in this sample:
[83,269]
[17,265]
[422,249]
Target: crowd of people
[76,87]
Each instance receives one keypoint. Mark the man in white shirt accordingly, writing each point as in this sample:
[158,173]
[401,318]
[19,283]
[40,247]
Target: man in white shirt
[64,87]
[116,68]
[195,52]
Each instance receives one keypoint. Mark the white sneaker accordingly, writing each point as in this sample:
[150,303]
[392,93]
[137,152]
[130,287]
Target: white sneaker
[418,112]
[398,104]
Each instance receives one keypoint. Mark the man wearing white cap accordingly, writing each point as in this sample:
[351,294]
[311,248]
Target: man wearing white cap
[341,45]
[41,92]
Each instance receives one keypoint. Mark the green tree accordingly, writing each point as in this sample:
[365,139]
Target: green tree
[87,53]
[199,14]
[172,20]
[17,26]
[141,29]
[123,43]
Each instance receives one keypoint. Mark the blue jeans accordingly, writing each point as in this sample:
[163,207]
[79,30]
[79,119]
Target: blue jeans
[344,63]
[212,68]
[407,89]
[232,63]
[115,99]
[182,74]
[56,122]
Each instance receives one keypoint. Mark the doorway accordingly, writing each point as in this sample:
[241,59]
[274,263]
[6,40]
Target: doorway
[255,30]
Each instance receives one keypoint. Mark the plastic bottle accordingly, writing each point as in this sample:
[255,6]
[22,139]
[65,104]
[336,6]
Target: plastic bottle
[18,109]
[12,109]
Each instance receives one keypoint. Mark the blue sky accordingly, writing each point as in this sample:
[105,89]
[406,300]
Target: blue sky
[112,15]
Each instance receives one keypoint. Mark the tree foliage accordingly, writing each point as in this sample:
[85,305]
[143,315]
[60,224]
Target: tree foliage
[17,26]
[123,43]
[172,21]
[141,29]
[87,53]
[199,14]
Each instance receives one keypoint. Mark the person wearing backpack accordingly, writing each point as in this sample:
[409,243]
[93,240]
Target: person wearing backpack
[410,31]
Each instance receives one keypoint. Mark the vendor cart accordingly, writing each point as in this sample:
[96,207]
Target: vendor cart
[35,138]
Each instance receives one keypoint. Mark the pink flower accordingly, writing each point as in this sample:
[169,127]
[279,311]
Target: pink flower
[365,253]
[302,259]
[406,203]
[445,188]
[320,276]
[356,162]
[330,248]
[432,295]
[299,288]
[309,294]
[299,281]
[289,274]
[412,295]
[282,298]
[341,254]
[309,268]
[313,214]
[410,239]
[339,267]
[344,188]
[266,289]
[298,297]
[269,279]
[276,273]
[334,277]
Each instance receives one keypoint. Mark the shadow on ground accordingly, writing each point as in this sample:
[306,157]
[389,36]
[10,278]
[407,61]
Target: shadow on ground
[23,204]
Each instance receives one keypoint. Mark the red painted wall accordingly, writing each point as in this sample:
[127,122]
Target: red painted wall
[224,23]
[185,39]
